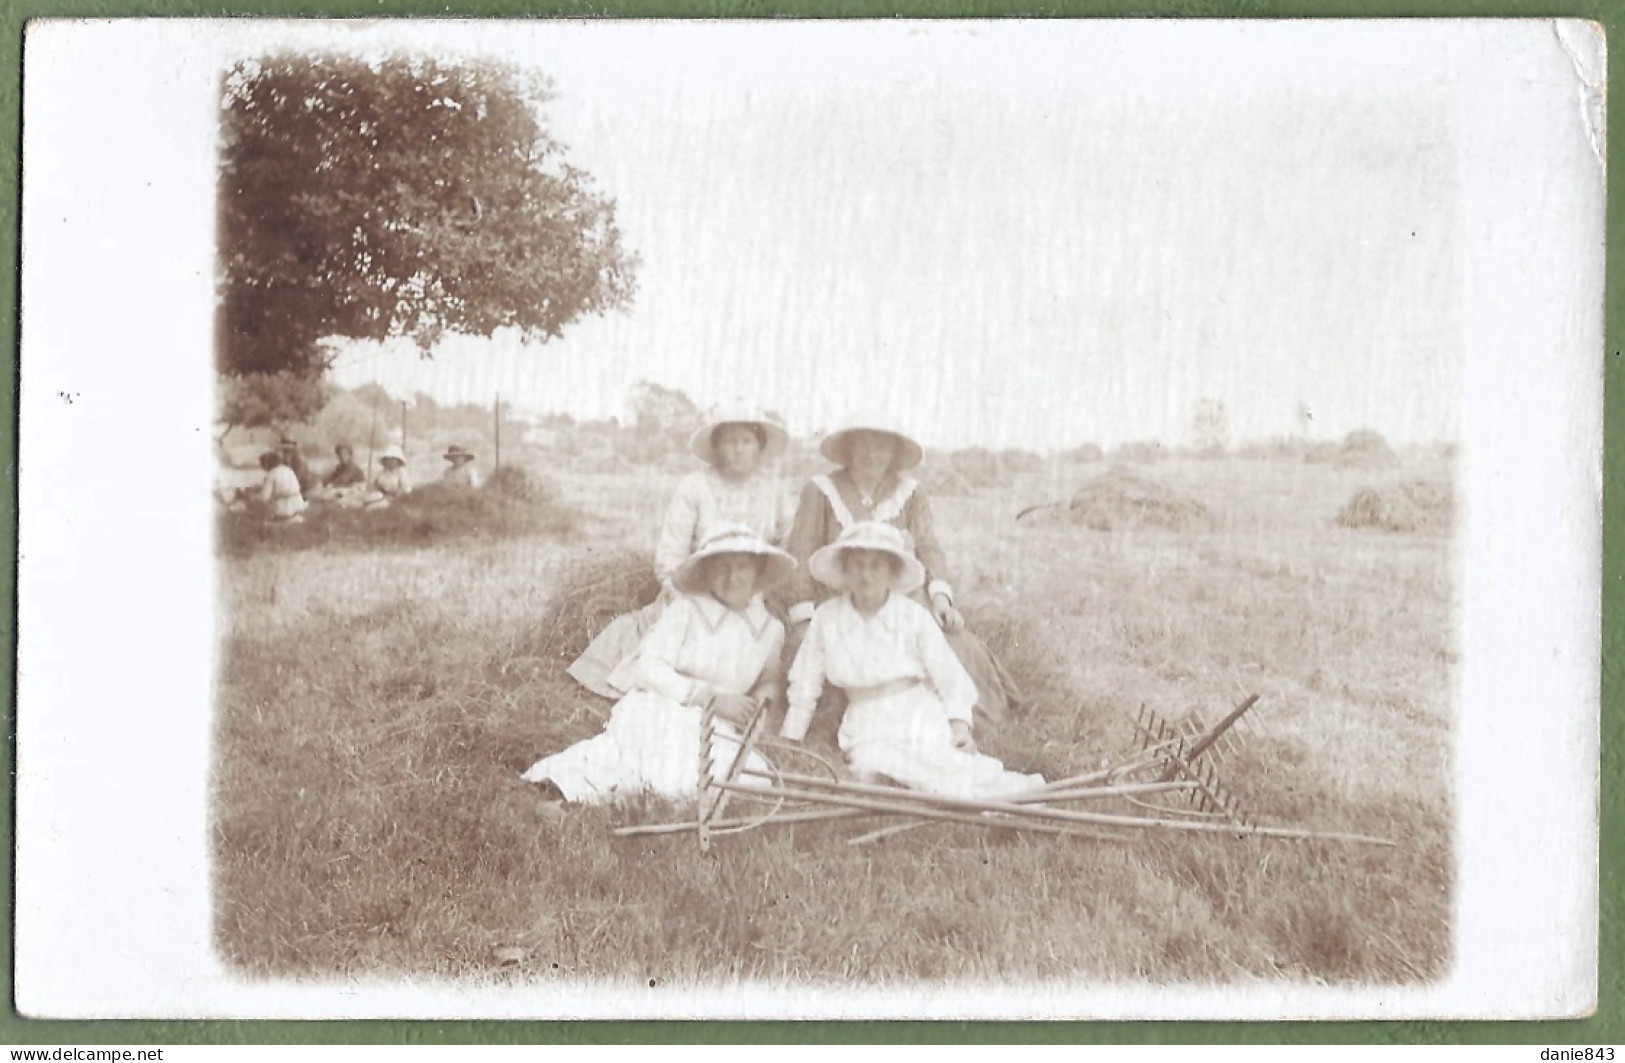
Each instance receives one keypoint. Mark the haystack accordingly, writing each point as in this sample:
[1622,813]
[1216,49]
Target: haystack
[1144,451]
[1364,449]
[524,485]
[594,588]
[1120,499]
[1411,506]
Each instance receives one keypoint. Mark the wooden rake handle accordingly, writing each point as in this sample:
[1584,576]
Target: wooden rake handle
[1181,763]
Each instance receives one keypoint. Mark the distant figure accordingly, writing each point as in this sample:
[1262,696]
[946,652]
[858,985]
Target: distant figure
[280,492]
[392,483]
[301,471]
[462,472]
[346,473]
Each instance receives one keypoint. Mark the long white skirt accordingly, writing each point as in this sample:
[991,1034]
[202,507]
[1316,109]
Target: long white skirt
[650,745]
[907,737]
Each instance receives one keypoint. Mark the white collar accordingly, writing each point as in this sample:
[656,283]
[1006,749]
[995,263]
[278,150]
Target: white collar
[884,614]
[715,614]
[886,509]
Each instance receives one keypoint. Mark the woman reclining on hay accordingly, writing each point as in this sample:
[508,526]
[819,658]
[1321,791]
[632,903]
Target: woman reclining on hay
[908,714]
[715,647]
[737,445]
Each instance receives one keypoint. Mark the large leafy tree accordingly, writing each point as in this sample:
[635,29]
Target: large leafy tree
[399,197]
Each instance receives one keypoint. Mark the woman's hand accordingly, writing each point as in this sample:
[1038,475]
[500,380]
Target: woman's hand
[737,709]
[948,618]
[962,736]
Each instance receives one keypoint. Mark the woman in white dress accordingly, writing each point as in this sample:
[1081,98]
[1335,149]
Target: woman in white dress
[738,446]
[392,483]
[909,699]
[715,648]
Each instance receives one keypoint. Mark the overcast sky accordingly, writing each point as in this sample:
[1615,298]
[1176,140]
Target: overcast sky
[1014,235]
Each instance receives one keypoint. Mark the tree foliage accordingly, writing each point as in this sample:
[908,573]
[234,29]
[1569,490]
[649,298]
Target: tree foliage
[661,411]
[270,400]
[400,197]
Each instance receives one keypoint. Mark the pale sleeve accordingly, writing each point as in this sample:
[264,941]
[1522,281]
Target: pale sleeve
[656,670]
[952,683]
[922,527]
[784,512]
[676,539]
[406,481]
[770,682]
[806,680]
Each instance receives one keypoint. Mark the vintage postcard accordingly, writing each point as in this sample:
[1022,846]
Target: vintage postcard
[959,519]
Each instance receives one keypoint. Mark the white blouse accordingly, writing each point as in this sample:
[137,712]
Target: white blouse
[705,498]
[901,641]
[700,647]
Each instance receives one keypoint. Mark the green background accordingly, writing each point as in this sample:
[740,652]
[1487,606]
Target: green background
[1606,1027]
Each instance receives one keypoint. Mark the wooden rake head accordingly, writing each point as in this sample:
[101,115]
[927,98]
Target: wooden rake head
[1192,753]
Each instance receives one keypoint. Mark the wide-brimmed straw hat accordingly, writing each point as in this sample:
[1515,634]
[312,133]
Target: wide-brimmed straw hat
[730,538]
[457,453]
[825,564]
[392,451]
[774,439]
[834,446]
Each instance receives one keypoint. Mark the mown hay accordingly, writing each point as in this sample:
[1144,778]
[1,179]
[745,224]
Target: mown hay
[942,482]
[1412,506]
[1360,449]
[1120,499]
[513,504]
[592,589]
[1143,451]
[523,485]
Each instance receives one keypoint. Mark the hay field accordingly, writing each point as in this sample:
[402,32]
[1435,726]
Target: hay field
[376,708]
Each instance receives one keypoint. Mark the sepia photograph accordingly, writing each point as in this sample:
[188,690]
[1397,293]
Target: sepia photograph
[812,520]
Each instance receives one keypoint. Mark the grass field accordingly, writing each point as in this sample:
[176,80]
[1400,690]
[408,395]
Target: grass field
[376,709]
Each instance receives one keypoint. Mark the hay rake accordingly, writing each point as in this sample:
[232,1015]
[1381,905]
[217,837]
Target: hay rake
[1169,782]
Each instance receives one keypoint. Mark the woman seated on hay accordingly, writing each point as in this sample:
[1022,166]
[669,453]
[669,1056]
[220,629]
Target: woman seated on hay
[737,445]
[278,495]
[714,648]
[392,483]
[908,712]
[872,484]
